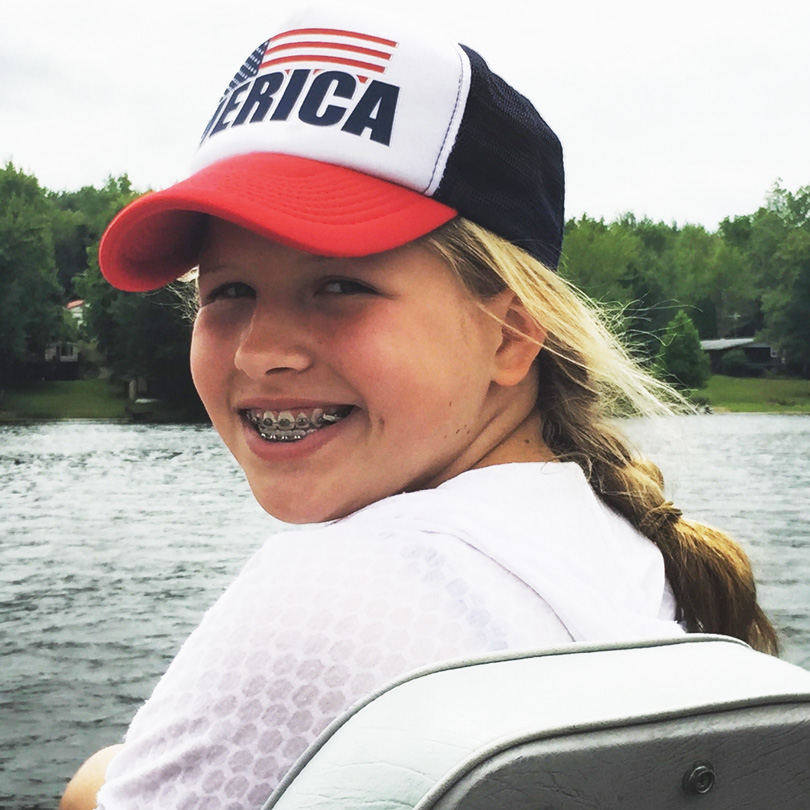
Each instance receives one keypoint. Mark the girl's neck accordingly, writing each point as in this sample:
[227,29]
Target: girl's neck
[524,443]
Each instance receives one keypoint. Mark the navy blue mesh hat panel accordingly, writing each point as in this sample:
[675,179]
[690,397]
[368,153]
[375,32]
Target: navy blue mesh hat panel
[506,169]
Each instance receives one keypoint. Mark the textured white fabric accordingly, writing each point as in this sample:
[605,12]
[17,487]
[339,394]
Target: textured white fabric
[323,616]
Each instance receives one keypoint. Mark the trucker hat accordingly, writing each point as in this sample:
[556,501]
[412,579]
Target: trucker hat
[346,135]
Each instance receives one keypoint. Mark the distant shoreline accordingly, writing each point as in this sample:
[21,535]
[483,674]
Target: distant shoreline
[755,395]
[82,399]
[100,400]
[720,411]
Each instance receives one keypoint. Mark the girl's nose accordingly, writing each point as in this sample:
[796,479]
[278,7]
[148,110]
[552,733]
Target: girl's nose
[271,343]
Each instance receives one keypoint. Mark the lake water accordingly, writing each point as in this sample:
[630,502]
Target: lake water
[115,538]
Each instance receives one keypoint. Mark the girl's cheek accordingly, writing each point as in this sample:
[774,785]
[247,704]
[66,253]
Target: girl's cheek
[200,336]
[219,326]
[197,363]
[212,351]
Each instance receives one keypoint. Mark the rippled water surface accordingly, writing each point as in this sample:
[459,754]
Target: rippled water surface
[115,538]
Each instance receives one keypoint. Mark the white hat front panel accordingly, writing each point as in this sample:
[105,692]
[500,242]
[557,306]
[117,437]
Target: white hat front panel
[364,95]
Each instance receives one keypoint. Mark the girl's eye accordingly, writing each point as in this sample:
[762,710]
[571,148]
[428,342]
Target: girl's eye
[233,289]
[345,286]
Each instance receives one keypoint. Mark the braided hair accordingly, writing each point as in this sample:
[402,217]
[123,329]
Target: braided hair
[586,380]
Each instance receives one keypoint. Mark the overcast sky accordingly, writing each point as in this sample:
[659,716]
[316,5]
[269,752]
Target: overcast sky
[684,111]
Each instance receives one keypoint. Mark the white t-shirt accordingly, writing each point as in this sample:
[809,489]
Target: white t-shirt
[506,557]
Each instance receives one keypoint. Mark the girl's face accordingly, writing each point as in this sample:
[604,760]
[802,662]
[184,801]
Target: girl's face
[385,363]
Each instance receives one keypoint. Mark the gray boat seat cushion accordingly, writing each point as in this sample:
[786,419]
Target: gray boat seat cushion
[698,722]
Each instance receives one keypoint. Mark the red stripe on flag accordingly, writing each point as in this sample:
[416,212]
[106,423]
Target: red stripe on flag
[317,58]
[334,31]
[340,46]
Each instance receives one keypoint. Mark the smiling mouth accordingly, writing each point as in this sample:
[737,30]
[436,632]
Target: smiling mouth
[292,426]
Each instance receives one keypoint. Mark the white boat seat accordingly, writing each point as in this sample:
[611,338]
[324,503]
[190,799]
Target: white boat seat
[701,722]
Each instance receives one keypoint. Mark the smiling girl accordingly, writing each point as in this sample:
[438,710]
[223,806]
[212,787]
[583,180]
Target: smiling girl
[384,346]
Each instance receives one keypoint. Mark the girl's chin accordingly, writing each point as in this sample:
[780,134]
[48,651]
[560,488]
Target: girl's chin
[302,512]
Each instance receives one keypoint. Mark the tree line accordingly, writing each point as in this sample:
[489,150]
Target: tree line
[49,257]
[750,277]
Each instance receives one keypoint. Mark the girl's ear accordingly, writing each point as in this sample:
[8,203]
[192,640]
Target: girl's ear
[521,338]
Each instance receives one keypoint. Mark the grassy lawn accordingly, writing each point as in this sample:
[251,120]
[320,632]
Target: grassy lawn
[79,399]
[762,395]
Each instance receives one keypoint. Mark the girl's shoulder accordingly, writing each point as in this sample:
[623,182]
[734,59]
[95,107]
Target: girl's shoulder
[503,504]
[486,492]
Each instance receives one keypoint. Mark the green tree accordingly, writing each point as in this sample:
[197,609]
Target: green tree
[598,257]
[780,248]
[681,359]
[152,339]
[70,235]
[79,218]
[650,301]
[144,335]
[31,313]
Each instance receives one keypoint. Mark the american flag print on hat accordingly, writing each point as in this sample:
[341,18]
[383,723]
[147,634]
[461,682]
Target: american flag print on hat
[317,46]
[329,46]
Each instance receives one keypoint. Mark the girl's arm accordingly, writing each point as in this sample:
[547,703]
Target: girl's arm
[80,794]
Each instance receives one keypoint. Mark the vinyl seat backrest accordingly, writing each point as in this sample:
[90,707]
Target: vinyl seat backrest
[698,722]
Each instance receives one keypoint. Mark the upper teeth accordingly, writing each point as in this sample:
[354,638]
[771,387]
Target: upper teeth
[286,421]
[274,421]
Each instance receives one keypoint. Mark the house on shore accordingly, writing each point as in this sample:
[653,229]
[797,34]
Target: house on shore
[62,359]
[759,356]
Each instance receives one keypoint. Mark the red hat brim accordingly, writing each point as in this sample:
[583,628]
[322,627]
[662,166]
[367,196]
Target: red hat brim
[306,204]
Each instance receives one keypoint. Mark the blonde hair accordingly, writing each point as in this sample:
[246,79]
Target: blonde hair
[586,380]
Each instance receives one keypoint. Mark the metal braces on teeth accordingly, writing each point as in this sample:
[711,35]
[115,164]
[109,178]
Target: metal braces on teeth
[286,427]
